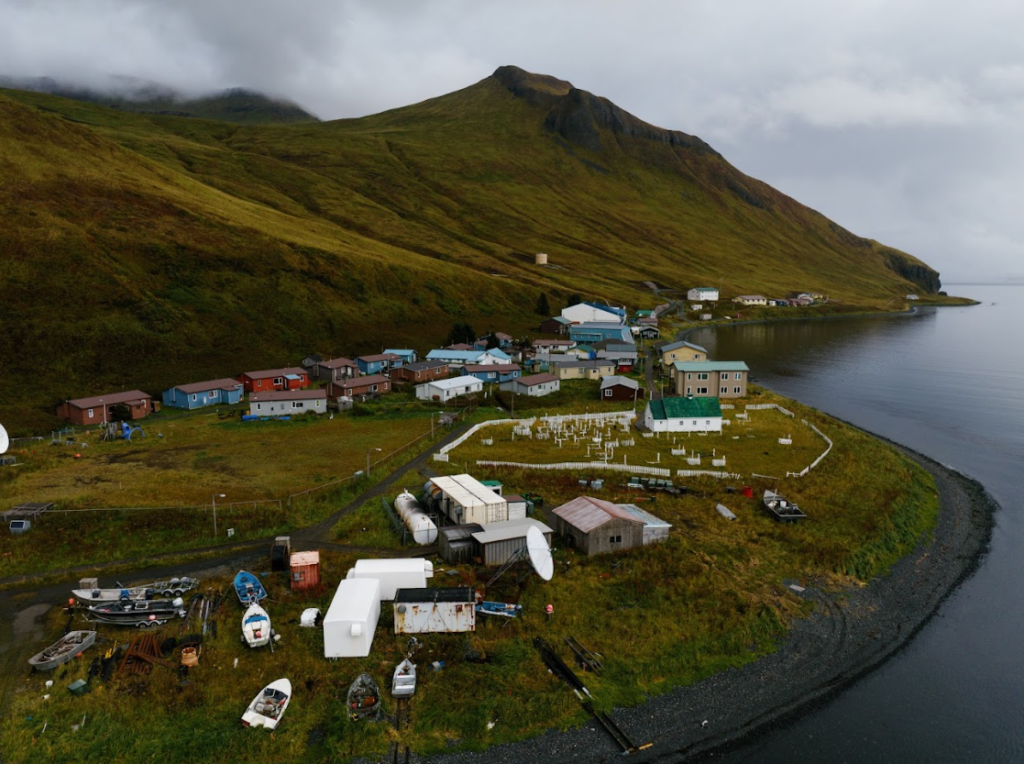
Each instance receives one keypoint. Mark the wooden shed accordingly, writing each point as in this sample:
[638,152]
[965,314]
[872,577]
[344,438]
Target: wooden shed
[594,526]
[305,570]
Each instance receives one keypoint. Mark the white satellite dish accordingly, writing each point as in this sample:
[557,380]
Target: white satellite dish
[539,552]
[5,442]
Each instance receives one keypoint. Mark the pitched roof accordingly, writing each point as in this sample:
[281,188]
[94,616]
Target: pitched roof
[617,379]
[452,382]
[599,364]
[537,379]
[587,513]
[379,357]
[288,395]
[553,343]
[685,408]
[424,365]
[681,344]
[711,366]
[473,368]
[372,379]
[400,351]
[274,373]
[459,346]
[129,396]
[213,384]
[337,363]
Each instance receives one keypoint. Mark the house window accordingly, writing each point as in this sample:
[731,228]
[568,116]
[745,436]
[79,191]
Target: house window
[615,539]
[689,391]
[90,413]
[259,383]
[702,376]
[702,391]
[707,422]
[689,377]
[297,404]
[278,380]
[195,397]
[723,391]
[259,406]
[738,376]
[373,388]
[737,390]
[608,393]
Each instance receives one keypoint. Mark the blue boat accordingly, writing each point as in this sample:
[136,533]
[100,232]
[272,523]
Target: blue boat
[248,588]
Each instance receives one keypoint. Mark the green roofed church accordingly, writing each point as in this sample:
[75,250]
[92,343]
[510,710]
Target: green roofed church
[687,414]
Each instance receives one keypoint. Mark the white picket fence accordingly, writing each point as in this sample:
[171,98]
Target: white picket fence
[817,461]
[630,468]
[763,406]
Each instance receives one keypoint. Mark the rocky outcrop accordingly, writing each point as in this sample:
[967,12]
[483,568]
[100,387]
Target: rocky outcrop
[912,270]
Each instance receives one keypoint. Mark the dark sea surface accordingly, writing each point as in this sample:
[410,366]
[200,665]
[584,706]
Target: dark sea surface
[948,382]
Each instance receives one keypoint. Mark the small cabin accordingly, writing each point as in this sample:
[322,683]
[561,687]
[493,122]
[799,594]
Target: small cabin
[305,570]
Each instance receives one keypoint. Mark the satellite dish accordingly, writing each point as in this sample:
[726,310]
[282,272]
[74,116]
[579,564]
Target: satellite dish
[5,442]
[540,554]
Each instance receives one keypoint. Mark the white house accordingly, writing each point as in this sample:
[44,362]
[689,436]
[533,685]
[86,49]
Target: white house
[535,385]
[702,294]
[456,359]
[352,618]
[751,300]
[590,312]
[683,415]
[446,389]
[288,402]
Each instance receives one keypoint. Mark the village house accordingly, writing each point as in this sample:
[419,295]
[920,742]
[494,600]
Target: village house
[446,389]
[596,332]
[420,371]
[646,332]
[535,385]
[337,369]
[374,384]
[504,341]
[751,300]
[377,364]
[493,372]
[101,409]
[456,359]
[594,526]
[618,388]
[683,415]
[590,312]
[583,369]
[623,356]
[720,379]
[554,325]
[405,356]
[216,392]
[702,294]
[680,351]
[288,403]
[274,379]
[309,363]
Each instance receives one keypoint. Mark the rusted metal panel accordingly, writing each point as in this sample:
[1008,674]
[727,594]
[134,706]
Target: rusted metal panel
[435,617]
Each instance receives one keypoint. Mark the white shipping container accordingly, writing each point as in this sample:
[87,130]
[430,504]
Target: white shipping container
[435,611]
[394,574]
[352,619]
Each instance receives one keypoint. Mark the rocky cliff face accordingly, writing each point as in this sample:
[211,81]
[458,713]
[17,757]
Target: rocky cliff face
[912,270]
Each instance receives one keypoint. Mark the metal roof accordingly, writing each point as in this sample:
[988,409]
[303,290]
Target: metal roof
[616,379]
[537,379]
[466,380]
[214,384]
[354,382]
[379,357]
[510,529]
[305,558]
[437,594]
[711,366]
[473,368]
[273,373]
[466,491]
[681,344]
[650,521]
[456,532]
[685,408]
[424,365]
[599,364]
[337,363]
[587,513]
[131,396]
[288,395]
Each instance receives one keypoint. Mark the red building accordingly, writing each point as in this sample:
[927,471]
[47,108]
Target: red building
[375,383]
[100,409]
[305,570]
[421,371]
[274,379]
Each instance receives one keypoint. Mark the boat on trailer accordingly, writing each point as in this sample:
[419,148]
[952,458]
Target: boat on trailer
[403,684]
[363,699]
[248,588]
[269,705]
[174,587]
[256,626]
[141,613]
[781,508]
[63,650]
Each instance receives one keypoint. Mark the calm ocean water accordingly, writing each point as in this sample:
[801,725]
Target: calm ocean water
[949,383]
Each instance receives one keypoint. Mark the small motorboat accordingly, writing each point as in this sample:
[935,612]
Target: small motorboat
[141,613]
[248,588]
[403,685]
[63,650]
[503,609]
[269,706]
[256,626]
[175,587]
[781,508]
[363,699]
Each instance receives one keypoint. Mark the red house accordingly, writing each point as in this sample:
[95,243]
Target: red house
[375,383]
[421,371]
[99,408]
[274,379]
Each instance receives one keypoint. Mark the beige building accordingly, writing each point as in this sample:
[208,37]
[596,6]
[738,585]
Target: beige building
[680,351]
[583,369]
[751,300]
[718,379]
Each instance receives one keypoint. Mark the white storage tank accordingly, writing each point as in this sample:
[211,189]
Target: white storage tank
[422,528]
[352,619]
[394,574]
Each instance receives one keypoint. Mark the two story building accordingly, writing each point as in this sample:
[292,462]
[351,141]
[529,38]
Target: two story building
[680,351]
[702,294]
[721,379]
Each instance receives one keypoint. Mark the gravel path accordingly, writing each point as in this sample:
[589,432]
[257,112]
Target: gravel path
[850,633]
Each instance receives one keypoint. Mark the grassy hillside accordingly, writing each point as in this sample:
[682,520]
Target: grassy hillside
[147,250]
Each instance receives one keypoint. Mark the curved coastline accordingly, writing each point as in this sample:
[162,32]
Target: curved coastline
[851,632]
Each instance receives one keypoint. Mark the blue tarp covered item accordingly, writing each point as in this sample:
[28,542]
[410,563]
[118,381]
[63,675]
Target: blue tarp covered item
[249,417]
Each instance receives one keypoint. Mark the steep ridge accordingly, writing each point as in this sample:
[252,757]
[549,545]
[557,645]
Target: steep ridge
[147,250]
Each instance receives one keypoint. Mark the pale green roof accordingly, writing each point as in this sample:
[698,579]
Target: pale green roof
[711,366]
[685,408]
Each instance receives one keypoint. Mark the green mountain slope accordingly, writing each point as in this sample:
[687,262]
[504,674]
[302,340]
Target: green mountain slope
[148,250]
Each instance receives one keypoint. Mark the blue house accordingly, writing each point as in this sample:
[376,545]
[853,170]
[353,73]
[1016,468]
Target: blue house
[599,332]
[378,364]
[217,392]
[405,356]
[492,372]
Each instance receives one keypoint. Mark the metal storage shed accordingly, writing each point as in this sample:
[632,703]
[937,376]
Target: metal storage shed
[435,611]
[394,574]
[352,618]
[498,542]
[464,499]
[595,526]
[455,543]
[655,529]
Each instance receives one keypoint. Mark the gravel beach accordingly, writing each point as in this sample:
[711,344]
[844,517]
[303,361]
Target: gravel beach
[851,632]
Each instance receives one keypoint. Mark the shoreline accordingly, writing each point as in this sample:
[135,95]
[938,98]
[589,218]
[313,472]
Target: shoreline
[852,632]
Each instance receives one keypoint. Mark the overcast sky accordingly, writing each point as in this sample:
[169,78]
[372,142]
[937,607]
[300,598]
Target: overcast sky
[900,120]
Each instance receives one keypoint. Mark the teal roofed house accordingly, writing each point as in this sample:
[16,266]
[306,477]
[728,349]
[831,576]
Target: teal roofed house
[721,379]
[684,414]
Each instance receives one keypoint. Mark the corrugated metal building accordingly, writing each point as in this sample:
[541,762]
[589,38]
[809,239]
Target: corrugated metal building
[498,542]
[448,610]
[594,526]
[655,529]
[455,543]
[464,499]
